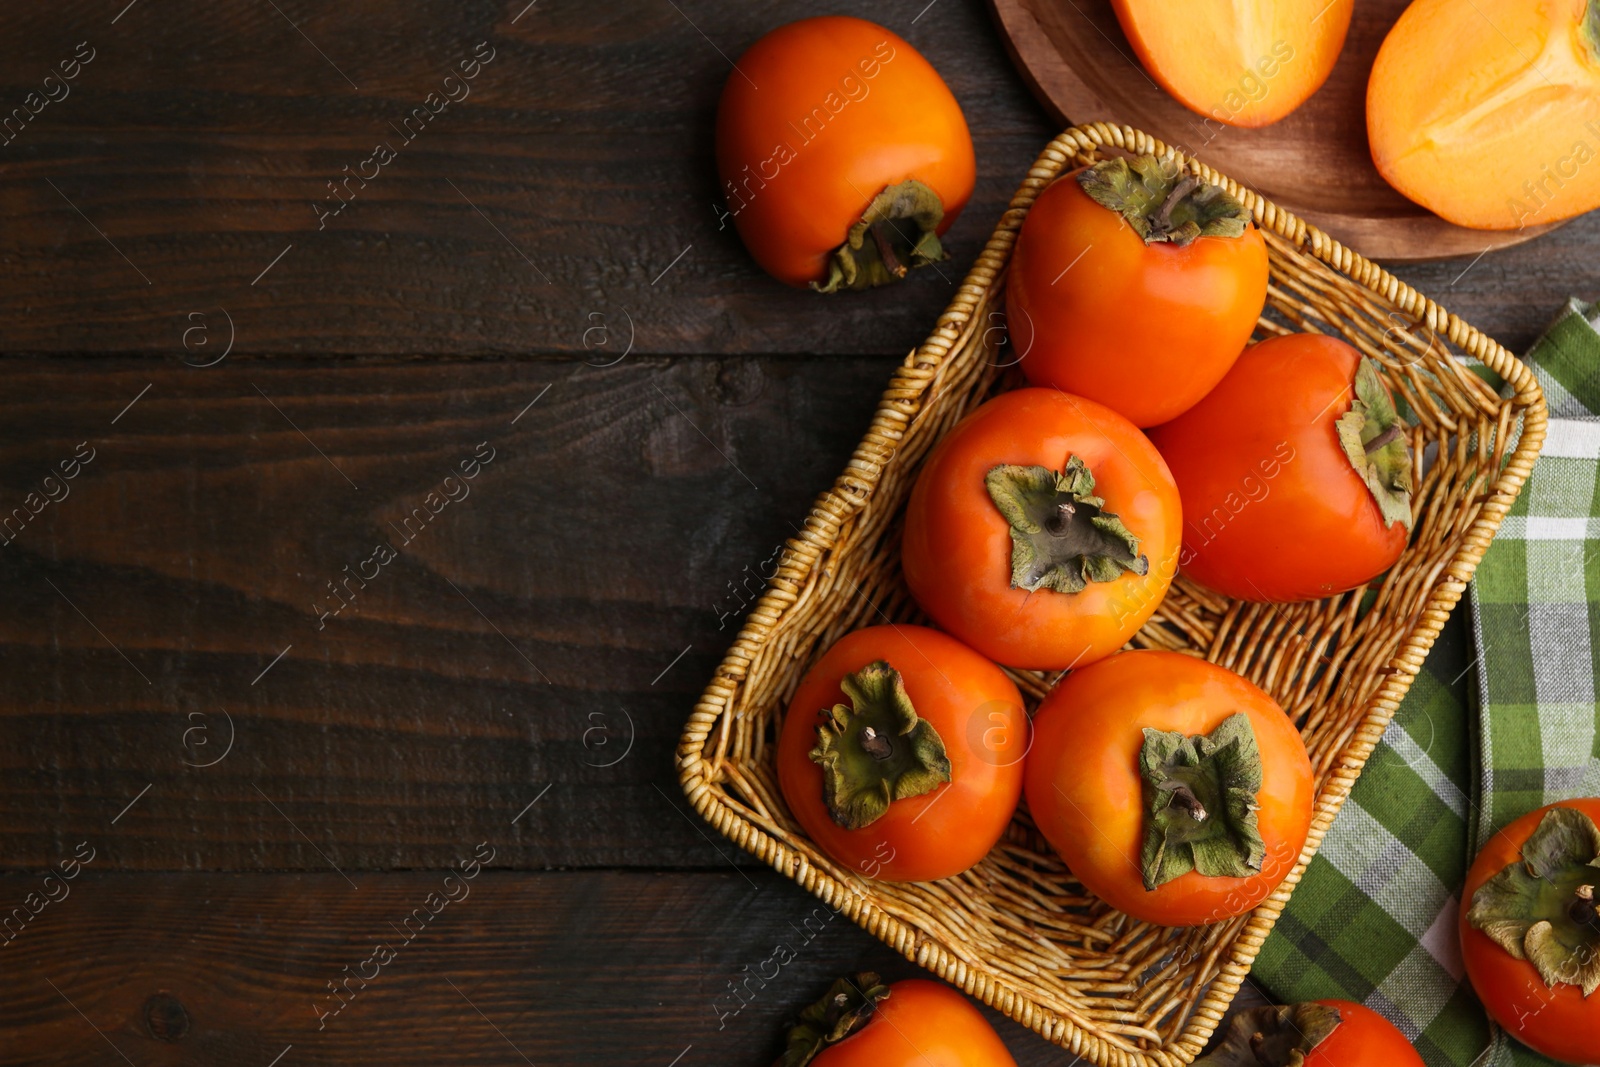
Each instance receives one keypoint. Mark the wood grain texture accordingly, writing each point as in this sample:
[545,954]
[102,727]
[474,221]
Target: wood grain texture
[575,173]
[623,521]
[559,968]
[200,136]
[572,604]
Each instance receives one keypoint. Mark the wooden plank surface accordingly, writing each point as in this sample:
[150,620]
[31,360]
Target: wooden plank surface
[570,604]
[658,411]
[575,179]
[610,968]
[576,171]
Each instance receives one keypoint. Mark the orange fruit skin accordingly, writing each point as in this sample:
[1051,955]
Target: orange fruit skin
[1240,65]
[956,552]
[1362,1036]
[1272,509]
[1146,330]
[977,712]
[1084,791]
[817,118]
[921,1024]
[1487,112]
[1558,1022]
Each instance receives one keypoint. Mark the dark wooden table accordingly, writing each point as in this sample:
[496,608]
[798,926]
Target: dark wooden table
[252,789]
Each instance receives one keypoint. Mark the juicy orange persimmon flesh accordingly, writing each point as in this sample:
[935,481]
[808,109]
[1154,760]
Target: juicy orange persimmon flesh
[1487,112]
[1243,64]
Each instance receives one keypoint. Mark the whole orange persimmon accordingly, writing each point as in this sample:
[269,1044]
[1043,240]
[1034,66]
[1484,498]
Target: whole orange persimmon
[1136,286]
[1043,530]
[860,1022]
[901,753]
[1295,473]
[1530,932]
[843,154]
[1175,790]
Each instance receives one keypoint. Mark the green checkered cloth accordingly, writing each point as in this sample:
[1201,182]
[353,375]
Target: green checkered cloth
[1502,719]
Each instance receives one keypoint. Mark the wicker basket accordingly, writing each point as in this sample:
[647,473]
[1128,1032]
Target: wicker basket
[1017,931]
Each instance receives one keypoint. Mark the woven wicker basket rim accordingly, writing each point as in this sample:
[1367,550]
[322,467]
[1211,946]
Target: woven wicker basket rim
[901,403]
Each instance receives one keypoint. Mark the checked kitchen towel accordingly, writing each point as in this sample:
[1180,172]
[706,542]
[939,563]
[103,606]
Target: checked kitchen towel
[1502,719]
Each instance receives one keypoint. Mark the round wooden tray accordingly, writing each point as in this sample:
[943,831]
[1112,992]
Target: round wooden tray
[1315,163]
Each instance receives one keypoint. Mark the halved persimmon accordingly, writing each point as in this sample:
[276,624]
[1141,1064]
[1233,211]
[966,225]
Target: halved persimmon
[1487,112]
[1244,64]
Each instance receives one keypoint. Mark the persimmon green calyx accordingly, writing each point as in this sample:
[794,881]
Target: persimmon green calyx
[1199,798]
[1062,538]
[1162,203]
[876,750]
[1273,1036]
[842,1012]
[1542,908]
[896,233]
[1373,437]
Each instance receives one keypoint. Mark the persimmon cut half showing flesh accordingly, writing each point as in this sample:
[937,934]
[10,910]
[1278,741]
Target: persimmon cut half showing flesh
[1487,112]
[1239,62]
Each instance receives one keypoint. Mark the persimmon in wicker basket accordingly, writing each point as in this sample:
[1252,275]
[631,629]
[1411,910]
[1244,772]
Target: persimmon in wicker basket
[1017,930]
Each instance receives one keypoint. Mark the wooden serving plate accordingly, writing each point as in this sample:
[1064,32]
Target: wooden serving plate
[1315,162]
